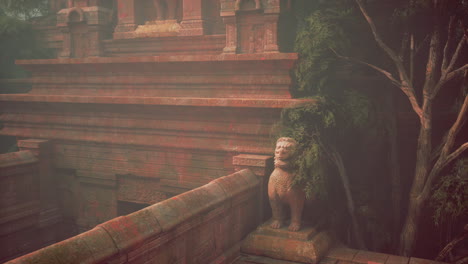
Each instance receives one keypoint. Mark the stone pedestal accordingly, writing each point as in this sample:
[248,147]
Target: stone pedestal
[308,245]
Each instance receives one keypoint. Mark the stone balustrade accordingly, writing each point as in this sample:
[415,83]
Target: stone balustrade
[204,225]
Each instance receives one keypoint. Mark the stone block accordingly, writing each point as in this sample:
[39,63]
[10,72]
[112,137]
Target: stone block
[100,244]
[423,261]
[305,234]
[132,230]
[278,244]
[169,213]
[392,259]
[367,256]
[45,255]
[342,253]
[236,185]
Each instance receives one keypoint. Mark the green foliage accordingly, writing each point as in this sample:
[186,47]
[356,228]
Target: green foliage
[305,124]
[318,33]
[322,26]
[17,38]
[450,197]
[24,9]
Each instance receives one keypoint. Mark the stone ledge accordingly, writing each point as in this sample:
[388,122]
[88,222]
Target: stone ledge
[168,101]
[251,160]
[17,158]
[165,58]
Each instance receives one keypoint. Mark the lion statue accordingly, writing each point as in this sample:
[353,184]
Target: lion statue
[281,191]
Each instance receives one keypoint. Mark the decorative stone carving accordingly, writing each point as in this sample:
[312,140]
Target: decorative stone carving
[83,28]
[251,25]
[281,190]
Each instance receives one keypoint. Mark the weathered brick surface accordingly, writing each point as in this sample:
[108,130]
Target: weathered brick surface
[199,226]
[174,122]
[27,220]
[19,200]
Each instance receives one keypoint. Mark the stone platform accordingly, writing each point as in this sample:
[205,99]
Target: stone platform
[340,255]
[308,245]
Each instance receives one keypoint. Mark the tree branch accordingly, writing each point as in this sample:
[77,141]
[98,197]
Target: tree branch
[460,45]
[377,37]
[456,153]
[430,83]
[444,157]
[449,76]
[423,42]
[444,252]
[448,43]
[406,84]
[384,72]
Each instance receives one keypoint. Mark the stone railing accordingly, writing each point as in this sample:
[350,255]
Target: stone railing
[204,225]
[28,219]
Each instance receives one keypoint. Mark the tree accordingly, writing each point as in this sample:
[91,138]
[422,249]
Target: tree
[323,129]
[17,41]
[428,64]
[443,67]
[17,37]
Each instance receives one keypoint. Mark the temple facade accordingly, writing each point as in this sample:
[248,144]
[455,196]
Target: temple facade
[144,100]
[147,138]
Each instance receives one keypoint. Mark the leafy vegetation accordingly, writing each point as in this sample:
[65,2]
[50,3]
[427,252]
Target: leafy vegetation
[450,196]
[328,131]
[18,40]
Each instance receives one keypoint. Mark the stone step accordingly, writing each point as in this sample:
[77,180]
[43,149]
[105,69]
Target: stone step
[252,259]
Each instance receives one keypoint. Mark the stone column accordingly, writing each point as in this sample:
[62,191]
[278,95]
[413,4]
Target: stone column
[126,16]
[271,33]
[231,34]
[192,19]
[98,19]
[261,166]
[228,14]
[49,209]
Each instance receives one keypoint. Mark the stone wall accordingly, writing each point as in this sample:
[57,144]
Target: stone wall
[204,225]
[28,219]
[128,132]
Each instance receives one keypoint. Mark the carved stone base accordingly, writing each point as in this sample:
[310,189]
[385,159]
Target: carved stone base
[159,26]
[192,28]
[307,245]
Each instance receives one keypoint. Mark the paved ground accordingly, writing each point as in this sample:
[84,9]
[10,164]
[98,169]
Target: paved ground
[342,255]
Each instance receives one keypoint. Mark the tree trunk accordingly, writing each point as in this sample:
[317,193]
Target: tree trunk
[416,200]
[410,229]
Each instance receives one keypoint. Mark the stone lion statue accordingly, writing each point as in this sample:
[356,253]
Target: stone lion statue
[281,191]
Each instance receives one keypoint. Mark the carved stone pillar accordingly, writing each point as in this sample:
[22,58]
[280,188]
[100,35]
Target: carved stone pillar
[271,33]
[49,210]
[126,17]
[83,30]
[251,25]
[192,19]
[231,34]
